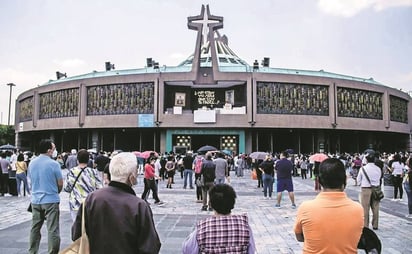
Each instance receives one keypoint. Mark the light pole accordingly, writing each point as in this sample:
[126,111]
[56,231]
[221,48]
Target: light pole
[11,87]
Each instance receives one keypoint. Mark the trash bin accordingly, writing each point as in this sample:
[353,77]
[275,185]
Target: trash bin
[12,183]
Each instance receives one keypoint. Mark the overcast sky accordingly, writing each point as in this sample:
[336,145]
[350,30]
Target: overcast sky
[361,38]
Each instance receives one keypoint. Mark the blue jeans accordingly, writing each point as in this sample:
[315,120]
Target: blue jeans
[40,213]
[186,173]
[267,184]
[409,194]
[22,178]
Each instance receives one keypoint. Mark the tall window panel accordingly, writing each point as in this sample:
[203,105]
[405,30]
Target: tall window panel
[398,109]
[295,99]
[359,103]
[135,98]
[62,103]
[26,109]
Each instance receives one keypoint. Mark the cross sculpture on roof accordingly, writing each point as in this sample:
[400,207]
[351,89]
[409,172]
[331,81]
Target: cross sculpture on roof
[206,24]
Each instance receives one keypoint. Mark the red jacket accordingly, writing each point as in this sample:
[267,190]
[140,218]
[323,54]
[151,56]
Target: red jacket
[149,171]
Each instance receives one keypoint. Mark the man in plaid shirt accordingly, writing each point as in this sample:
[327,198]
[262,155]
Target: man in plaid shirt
[215,234]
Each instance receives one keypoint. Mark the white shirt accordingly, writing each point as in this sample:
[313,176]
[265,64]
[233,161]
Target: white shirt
[157,167]
[374,173]
[397,168]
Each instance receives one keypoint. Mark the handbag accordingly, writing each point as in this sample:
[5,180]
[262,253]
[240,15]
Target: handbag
[254,174]
[81,245]
[377,193]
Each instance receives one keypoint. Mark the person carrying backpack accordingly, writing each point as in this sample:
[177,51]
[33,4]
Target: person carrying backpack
[197,167]
[208,179]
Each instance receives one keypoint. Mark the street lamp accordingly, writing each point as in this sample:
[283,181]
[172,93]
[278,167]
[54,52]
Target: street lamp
[11,87]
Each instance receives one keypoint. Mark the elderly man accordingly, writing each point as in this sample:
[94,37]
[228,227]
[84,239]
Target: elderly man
[117,221]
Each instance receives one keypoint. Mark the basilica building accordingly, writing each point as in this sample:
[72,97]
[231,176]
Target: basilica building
[215,98]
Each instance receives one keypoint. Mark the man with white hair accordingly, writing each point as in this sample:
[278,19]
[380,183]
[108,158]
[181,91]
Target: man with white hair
[71,161]
[121,222]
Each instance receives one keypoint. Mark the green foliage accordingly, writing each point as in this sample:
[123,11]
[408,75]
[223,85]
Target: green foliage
[6,134]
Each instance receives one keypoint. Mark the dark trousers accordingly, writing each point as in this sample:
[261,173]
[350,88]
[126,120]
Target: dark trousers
[4,183]
[198,188]
[397,185]
[150,184]
[303,173]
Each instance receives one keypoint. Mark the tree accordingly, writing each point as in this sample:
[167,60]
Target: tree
[6,134]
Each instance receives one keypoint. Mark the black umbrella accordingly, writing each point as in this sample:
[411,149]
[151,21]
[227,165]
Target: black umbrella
[7,147]
[205,149]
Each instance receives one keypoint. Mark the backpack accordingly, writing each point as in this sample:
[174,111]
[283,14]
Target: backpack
[198,165]
[369,242]
[208,172]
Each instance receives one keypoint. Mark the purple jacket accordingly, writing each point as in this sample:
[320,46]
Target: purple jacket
[117,221]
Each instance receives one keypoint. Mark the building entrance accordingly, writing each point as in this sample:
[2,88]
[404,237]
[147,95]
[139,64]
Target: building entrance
[194,142]
[184,140]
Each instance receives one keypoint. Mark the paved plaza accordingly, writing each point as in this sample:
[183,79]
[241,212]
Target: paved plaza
[272,228]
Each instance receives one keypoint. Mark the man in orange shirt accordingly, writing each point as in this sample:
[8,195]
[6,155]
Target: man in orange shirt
[332,222]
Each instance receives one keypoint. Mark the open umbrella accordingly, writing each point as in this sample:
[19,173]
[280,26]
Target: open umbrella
[318,157]
[206,148]
[7,147]
[258,155]
[146,154]
[227,152]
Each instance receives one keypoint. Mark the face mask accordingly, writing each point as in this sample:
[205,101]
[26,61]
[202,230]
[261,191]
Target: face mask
[54,155]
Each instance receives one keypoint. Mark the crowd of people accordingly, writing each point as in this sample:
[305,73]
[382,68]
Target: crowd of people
[103,183]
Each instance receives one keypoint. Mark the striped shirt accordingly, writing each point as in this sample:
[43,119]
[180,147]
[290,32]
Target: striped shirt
[88,182]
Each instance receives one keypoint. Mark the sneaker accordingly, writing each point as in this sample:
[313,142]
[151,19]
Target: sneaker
[394,199]
[204,208]
[210,209]
[7,195]
[159,203]
[293,206]
[191,187]
[277,206]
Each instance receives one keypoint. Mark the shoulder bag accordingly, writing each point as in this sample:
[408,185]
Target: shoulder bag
[377,193]
[81,245]
[67,189]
